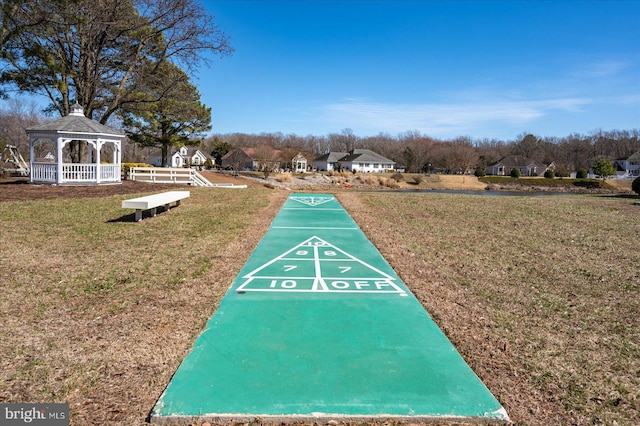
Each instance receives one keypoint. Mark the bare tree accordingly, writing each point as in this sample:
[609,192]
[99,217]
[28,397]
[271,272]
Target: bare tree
[96,52]
[267,159]
[15,117]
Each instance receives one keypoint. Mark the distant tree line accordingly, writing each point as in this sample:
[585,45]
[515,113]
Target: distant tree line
[422,153]
[412,150]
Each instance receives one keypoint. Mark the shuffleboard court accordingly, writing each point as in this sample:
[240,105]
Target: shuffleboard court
[317,326]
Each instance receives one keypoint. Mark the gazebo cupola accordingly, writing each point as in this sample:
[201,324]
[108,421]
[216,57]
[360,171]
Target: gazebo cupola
[98,151]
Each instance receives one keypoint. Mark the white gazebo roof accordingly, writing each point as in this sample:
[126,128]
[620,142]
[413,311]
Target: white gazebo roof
[76,123]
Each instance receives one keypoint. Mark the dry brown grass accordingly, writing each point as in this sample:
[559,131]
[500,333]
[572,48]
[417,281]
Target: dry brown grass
[465,182]
[283,177]
[540,295]
[621,184]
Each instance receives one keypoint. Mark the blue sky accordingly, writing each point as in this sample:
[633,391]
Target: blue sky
[485,69]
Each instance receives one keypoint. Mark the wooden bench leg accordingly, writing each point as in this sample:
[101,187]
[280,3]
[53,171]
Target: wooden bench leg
[138,215]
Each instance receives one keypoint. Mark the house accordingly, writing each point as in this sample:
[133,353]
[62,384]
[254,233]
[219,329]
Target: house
[328,162]
[183,157]
[238,159]
[358,160]
[627,167]
[526,166]
[253,159]
[299,163]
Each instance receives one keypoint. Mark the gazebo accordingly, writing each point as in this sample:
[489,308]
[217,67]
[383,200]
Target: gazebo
[103,157]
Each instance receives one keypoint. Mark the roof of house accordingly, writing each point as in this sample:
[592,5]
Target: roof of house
[251,153]
[361,155]
[76,122]
[331,157]
[365,155]
[515,161]
[299,156]
[192,150]
[634,157]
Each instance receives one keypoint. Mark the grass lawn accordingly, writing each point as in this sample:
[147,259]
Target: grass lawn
[98,312]
[540,294]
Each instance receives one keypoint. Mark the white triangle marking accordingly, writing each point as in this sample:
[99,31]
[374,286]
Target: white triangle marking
[312,201]
[376,281]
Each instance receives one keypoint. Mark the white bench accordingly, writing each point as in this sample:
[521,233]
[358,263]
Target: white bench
[152,202]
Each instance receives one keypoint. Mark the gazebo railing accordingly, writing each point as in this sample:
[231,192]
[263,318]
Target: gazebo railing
[110,172]
[44,172]
[78,172]
[75,173]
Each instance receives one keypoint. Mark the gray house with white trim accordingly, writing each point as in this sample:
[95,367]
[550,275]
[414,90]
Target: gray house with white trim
[358,160]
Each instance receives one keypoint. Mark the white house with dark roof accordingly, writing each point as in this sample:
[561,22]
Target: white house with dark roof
[358,160]
[184,156]
[329,161]
[526,166]
[628,167]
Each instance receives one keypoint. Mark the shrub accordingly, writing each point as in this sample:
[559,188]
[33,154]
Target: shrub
[603,168]
[418,178]
[515,173]
[368,179]
[480,172]
[397,177]
[127,166]
[635,185]
[389,183]
[283,177]
[549,174]
[582,174]
[589,184]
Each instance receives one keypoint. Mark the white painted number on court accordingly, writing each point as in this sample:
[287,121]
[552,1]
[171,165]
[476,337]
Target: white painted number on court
[315,265]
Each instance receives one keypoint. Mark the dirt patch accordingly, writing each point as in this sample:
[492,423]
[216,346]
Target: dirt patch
[17,189]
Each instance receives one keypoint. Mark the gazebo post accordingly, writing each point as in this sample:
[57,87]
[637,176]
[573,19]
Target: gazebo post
[98,148]
[59,159]
[31,143]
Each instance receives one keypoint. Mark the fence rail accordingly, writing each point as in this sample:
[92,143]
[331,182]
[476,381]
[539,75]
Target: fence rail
[174,175]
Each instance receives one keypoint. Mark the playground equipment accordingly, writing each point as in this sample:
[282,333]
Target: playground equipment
[12,155]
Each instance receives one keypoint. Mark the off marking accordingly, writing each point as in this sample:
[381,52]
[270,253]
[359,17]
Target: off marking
[316,265]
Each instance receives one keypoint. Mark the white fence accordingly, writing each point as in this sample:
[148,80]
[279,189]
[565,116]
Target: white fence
[174,175]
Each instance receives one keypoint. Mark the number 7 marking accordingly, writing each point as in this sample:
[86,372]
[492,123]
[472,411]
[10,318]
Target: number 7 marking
[344,269]
[288,268]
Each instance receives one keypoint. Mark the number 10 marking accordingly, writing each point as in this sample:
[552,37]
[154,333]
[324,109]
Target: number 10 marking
[283,284]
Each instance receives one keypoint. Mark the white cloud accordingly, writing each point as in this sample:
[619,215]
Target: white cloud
[442,119]
[601,69]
